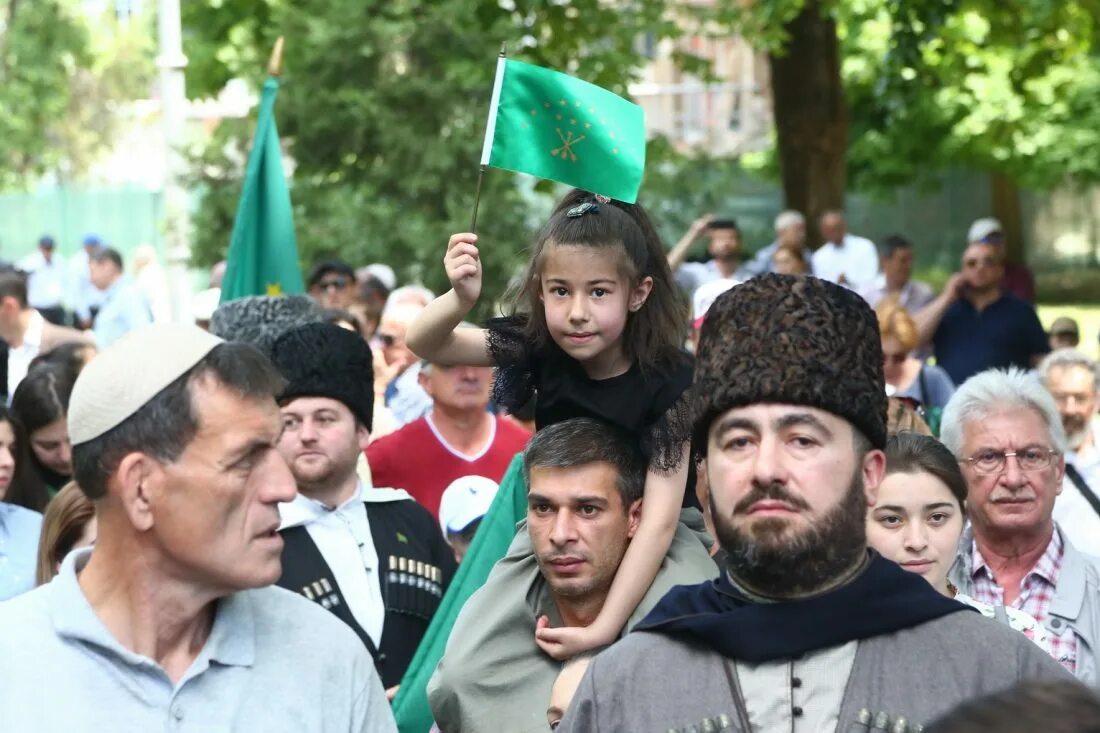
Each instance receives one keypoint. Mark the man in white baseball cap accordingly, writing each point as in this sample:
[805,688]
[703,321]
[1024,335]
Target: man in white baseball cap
[463,504]
[702,300]
[170,620]
[1017,279]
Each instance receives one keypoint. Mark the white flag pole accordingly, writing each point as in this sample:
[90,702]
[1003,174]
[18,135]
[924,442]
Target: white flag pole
[490,131]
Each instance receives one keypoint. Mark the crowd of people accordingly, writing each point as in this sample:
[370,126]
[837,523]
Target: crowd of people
[793,491]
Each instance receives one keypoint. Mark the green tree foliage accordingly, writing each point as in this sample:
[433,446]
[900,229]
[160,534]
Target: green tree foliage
[42,47]
[1003,87]
[120,68]
[63,88]
[383,108]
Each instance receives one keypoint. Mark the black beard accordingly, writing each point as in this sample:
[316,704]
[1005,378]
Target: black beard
[768,560]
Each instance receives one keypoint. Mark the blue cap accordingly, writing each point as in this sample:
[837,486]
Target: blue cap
[92,240]
[46,241]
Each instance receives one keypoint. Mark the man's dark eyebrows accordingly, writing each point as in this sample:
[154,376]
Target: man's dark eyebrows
[802,418]
[590,500]
[536,498]
[737,423]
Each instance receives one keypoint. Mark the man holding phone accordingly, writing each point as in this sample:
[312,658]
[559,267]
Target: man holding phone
[975,325]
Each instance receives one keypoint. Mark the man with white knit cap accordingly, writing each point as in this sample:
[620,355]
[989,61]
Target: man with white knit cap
[169,623]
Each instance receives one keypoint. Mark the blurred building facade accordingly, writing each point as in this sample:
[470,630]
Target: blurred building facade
[730,115]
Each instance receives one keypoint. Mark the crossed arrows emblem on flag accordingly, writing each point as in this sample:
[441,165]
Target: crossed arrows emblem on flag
[567,143]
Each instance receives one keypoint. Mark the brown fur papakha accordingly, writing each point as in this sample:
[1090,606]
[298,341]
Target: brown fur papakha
[791,340]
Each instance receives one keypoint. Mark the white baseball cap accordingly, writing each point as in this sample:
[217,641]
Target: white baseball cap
[384,274]
[466,500]
[982,228]
[704,298]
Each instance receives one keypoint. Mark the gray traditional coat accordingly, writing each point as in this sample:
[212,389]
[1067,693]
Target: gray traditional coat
[654,682]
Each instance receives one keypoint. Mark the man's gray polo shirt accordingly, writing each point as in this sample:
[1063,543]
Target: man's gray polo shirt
[273,662]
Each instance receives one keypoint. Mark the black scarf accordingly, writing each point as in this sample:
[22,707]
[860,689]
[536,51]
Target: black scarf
[881,599]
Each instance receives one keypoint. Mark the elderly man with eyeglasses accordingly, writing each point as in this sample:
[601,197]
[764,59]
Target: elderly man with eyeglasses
[1005,429]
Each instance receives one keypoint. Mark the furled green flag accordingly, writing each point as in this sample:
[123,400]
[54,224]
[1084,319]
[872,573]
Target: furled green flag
[490,544]
[555,126]
[263,251]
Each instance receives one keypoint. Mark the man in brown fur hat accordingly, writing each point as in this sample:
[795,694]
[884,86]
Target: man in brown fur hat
[806,630]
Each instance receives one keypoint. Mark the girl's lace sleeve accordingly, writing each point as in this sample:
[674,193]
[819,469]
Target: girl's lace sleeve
[663,443]
[511,352]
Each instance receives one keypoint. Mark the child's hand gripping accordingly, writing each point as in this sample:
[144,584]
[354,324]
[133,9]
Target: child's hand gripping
[463,265]
[568,641]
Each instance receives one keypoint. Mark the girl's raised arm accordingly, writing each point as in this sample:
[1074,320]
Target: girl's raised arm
[435,334]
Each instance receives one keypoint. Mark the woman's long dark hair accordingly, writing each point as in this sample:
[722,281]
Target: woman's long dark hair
[41,399]
[26,488]
[915,453]
[653,333]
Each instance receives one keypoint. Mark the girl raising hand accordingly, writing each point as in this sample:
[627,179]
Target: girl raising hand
[596,333]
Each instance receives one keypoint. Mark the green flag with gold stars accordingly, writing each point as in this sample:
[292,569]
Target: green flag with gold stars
[263,250]
[555,126]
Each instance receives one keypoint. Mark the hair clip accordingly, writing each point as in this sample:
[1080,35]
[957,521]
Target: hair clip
[588,207]
[581,209]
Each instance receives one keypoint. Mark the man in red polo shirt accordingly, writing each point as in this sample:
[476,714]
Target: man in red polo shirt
[459,437]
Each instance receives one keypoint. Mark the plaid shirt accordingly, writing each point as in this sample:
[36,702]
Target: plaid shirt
[1036,594]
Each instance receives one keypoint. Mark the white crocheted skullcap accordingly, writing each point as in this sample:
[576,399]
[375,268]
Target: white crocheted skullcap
[129,373]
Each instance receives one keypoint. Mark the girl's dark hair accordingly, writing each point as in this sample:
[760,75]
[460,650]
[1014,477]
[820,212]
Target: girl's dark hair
[653,333]
[43,396]
[26,488]
[915,453]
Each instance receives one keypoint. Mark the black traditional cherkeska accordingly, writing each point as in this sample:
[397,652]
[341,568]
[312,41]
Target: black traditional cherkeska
[415,565]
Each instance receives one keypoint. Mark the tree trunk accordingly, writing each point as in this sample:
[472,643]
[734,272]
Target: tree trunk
[1005,198]
[811,116]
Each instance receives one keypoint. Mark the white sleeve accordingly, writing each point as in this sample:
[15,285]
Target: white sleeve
[822,264]
[866,268]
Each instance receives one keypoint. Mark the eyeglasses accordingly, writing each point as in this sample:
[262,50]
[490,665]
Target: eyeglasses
[991,462]
[980,262]
[336,284]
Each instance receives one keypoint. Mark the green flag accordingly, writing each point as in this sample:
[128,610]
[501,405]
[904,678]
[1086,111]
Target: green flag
[555,126]
[263,251]
[491,542]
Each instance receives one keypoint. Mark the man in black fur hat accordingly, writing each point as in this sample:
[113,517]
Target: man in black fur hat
[374,557]
[806,630]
